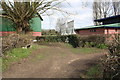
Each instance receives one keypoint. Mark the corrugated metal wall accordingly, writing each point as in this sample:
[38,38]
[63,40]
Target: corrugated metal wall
[7,26]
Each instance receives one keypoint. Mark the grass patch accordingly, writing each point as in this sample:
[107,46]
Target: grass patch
[86,50]
[15,55]
[0,65]
[94,72]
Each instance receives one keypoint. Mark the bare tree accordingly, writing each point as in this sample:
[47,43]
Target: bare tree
[116,7]
[20,12]
[61,25]
[95,12]
[102,9]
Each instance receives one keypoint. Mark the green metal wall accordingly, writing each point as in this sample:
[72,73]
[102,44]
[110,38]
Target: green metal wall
[7,25]
[35,24]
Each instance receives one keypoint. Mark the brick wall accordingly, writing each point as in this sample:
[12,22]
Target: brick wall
[98,31]
[36,33]
[112,31]
[91,31]
[6,33]
[13,32]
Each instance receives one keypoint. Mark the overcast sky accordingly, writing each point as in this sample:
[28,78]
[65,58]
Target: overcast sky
[81,14]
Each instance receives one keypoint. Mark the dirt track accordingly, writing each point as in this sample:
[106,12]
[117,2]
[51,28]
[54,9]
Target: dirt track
[52,62]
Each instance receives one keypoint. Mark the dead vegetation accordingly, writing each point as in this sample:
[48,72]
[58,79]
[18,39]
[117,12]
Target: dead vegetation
[15,41]
[111,64]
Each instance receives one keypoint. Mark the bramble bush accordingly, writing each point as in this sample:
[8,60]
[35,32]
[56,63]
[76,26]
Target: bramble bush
[111,64]
[15,41]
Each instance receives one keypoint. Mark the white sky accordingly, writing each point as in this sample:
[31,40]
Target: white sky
[80,14]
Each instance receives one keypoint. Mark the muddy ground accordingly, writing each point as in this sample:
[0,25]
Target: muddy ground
[53,62]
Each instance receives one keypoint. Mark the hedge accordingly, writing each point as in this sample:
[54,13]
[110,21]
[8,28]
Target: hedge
[98,41]
[71,39]
[76,41]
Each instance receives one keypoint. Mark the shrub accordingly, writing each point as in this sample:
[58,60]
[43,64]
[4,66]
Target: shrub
[114,46]
[111,63]
[93,41]
[15,41]
[71,39]
[102,46]
[74,40]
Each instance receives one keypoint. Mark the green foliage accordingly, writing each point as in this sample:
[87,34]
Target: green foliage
[76,40]
[94,72]
[102,46]
[98,39]
[93,41]
[71,39]
[49,32]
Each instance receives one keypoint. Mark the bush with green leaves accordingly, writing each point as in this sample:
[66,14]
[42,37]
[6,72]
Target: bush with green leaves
[98,41]
[76,40]
[71,39]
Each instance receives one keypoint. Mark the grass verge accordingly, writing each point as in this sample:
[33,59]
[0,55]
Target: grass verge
[15,55]
[94,72]
[86,50]
[0,66]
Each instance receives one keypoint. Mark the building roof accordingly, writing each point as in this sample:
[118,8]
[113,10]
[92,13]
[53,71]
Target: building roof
[116,25]
[112,17]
